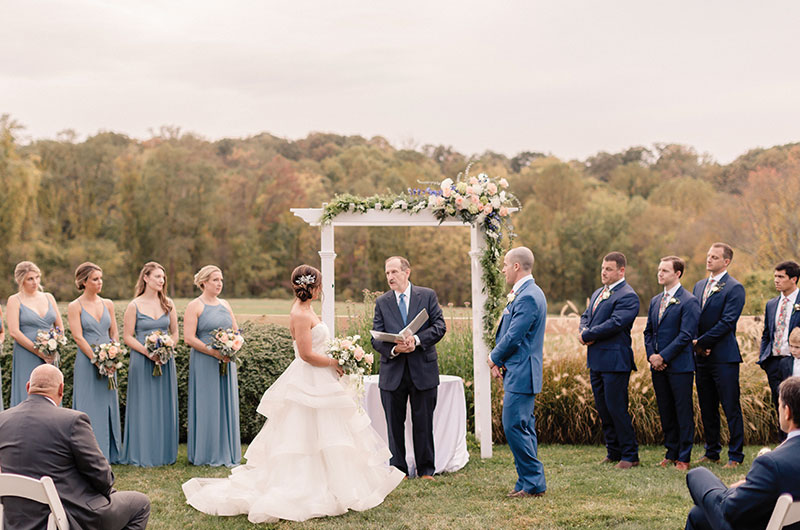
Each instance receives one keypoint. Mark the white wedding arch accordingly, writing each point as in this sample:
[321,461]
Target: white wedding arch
[423,217]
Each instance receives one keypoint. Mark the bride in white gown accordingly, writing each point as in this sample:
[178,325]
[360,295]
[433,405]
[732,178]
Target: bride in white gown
[317,454]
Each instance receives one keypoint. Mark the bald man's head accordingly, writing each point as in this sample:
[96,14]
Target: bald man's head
[47,380]
[523,256]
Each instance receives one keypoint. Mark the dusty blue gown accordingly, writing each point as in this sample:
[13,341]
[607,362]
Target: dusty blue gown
[151,411]
[90,392]
[25,361]
[213,437]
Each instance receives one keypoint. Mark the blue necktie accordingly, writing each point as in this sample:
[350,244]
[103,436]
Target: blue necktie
[402,305]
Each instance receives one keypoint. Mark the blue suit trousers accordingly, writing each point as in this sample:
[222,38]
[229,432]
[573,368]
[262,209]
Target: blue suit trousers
[519,426]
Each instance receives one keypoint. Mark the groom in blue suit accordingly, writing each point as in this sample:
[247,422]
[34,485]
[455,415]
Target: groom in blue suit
[517,359]
[409,369]
[671,327]
[605,329]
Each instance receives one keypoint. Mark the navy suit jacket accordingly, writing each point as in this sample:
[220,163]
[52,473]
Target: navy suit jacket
[422,362]
[672,336]
[769,327]
[610,329]
[771,475]
[520,340]
[716,329]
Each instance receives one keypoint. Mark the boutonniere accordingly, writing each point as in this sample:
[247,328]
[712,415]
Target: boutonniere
[716,288]
[510,297]
[606,294]
[796,307]
[673,300]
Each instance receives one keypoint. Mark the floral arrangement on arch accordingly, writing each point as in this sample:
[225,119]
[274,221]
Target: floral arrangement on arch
[480,200]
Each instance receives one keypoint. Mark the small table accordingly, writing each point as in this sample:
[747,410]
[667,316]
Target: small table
[449,423]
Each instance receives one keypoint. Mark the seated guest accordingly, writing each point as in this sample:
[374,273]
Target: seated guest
[749,502]
[38,438]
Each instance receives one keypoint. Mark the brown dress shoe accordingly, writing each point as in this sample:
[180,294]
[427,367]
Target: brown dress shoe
[521,494]
[731,464]
[706,460]
[607,460]
[682,466]
[427,477]
[666,463]
[625,464]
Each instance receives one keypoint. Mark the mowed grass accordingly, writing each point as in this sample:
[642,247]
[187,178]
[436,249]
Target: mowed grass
[580,494]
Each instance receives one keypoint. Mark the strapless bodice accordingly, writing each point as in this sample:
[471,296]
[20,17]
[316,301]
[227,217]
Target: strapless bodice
[319,338]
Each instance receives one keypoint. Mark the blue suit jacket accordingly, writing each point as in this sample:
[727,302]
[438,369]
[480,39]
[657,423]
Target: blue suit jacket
[520,340]
[422,362]
[772,474]
[769,327]
[672,337]
[610,329]
[716,329]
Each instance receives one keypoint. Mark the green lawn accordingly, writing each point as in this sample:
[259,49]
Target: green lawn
[580,494]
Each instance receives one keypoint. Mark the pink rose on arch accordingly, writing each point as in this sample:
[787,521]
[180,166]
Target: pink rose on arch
[503,183]
[491,188]
[475,199]
[358,353]
[487,209]
[473,180]
[446,192]
[439,201]
[503,211]
[369,358]
[470,190]
[460,202]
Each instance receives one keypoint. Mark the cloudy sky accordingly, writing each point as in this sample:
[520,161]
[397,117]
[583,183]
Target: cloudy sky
[566,77]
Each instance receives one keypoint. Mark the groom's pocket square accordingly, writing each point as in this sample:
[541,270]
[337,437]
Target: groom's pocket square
[506,311]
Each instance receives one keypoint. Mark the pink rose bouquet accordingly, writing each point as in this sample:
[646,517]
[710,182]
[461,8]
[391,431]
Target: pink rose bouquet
[108,359]
[159,344]
[228,342]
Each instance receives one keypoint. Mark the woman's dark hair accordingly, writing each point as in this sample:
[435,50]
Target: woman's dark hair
[305,280]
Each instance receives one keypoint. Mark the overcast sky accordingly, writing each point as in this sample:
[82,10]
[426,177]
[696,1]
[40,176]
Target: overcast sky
[566,77]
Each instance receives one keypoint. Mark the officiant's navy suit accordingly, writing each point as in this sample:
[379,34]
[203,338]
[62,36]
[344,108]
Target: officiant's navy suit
[610,362]
[518,349]
[749,506]
[718,373]
[671,337]
[413,375]
[769,363]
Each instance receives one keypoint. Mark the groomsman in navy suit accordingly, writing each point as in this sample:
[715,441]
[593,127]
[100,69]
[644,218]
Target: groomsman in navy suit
[409,369]
[717,355]
[517,360]
[748,504]
[605,329]
[781,316]
[671,326]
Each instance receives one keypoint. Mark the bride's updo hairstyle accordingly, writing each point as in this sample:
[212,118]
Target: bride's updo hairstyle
[305,280]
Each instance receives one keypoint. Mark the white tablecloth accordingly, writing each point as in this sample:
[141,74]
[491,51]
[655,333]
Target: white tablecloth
[449,423]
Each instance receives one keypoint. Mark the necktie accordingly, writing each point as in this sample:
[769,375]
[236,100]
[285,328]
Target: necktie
[402,305]
[707,291]
[599,298]
[780,327]
[664,303]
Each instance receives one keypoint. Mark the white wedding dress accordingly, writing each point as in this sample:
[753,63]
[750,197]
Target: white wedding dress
[317,454]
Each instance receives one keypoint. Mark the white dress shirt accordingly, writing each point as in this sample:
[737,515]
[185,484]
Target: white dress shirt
[796,367]
[405,302]
[784,345]
[672,291]
[518,284]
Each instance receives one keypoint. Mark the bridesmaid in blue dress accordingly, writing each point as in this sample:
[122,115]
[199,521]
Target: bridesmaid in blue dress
[28,311]
[93,322]
[151,413]
[213,437]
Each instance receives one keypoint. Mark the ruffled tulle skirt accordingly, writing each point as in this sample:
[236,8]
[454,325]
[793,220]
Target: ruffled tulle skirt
[317,455]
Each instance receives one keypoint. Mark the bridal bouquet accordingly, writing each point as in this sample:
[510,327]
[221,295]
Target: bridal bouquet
[51,341]
[160,345]
[228,342]
[352,359]
[107,358]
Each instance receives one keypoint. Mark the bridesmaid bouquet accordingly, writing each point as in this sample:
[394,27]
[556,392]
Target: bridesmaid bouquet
[352,359]
[51,341]
[228,342]
[107,360]
[160,344]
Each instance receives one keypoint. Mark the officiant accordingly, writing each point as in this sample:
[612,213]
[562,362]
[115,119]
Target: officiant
[409,368]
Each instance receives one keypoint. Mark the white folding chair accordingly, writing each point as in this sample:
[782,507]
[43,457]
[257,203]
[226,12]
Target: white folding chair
[786,512]
[42,490]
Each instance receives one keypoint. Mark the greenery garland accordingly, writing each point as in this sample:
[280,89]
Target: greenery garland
[478,200]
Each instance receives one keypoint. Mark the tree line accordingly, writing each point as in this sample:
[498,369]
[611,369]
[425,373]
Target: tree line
[185,201]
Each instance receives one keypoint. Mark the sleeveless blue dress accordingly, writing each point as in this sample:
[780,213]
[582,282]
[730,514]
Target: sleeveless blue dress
[151,411]
[90,392]
[213,437]
[25,361]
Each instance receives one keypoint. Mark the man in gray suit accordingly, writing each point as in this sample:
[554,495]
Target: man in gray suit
[39,438]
